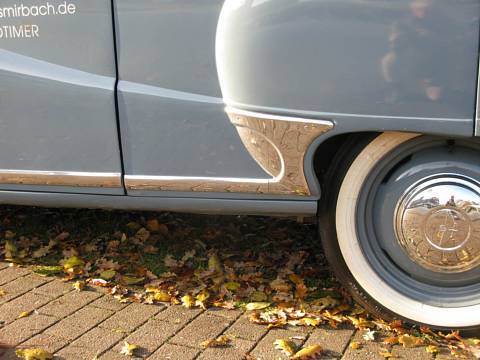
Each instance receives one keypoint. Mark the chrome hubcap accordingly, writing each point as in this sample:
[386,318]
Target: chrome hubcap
[437,223]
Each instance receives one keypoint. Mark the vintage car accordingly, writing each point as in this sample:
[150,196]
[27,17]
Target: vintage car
[362,113]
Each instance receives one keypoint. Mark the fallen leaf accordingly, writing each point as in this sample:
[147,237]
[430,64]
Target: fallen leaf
[10,249]
[369,335]
[48,270]
[258,296]
[188,301]
[24,314]
[309,352]
[355,345]
[307,321]
[386,354]
[2,292]
[285,346]
[392,340]
[73,262]
[431,349]
[128,349]
[232,286]
[220,341]
[162,296]
[130,280]
[33,354]
[108,274]
[99,282]
[214,264]
[409,340]
[79,285]
[257,306]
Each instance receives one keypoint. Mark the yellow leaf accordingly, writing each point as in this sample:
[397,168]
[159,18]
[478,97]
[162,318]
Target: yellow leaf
[309,352]
[10,249]
[220,341]
[130,280]
[108,274]
[232,286]
[79,285]
[153,225]
[24,314]
[257,306]
[391,340]
[188,301]
[355,345]
[431,349]
[326,302]
[2,292]
[409,340]
[202,295]
[310,321]
[214,264]
[34,354]
[295,279]
[386,354]
[258,296]
[73,262]
[201,298]
[285,346]
[47,270]
[162,296]
[128,349]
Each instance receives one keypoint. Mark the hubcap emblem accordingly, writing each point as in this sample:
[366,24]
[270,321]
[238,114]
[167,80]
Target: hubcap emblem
[437,223]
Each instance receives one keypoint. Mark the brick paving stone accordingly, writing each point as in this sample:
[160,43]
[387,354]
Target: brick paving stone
[244,329]
[265,350]
[27,302]
[69,303]
[333,341]
[77,324]
[228,314]
[131,317]
[22,329]
[51,343]
[204,327]
[174,352]
[109,303]
[368,349]
[417,353]
[178,314]
[54,289]
[11,273]
[149,337]
[20,286]
[90,344]
[4,265]
[237,351]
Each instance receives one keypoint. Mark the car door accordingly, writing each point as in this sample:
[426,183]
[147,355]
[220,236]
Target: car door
[58,127]
[176,135]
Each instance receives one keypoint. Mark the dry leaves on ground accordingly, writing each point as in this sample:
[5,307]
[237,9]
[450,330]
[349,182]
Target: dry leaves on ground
[272,268]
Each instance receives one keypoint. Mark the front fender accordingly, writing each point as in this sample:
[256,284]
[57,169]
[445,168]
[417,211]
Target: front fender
[405,65]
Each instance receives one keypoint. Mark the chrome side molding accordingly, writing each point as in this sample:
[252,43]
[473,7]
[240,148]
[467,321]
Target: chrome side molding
[61,178]
[477,108]
[277,143]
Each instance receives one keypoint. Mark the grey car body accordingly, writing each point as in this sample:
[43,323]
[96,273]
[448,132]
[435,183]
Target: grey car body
[158,61]
[236,106]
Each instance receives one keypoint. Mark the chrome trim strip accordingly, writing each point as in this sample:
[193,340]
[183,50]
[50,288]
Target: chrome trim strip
[61,178]
[277,143]
[334,114]
[477,109]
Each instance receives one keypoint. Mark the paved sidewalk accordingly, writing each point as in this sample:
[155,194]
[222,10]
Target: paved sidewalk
[89,324]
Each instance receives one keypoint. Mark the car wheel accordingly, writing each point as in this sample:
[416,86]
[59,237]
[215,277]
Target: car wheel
[400,226]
